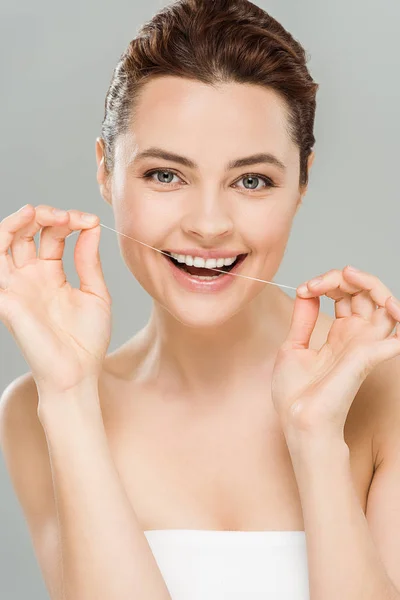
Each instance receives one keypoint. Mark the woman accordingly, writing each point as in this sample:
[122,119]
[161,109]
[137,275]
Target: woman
[225,450]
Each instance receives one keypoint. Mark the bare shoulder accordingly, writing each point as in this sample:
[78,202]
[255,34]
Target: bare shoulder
[22,386]
[18,407]
[384,390]
[24,447]
[23,443]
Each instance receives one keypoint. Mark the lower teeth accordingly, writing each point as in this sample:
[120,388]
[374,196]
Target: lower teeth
[205,276]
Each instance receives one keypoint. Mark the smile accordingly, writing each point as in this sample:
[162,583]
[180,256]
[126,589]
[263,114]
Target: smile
[195,273]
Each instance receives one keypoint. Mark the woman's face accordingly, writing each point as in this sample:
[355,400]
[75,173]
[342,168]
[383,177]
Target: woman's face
[202,206]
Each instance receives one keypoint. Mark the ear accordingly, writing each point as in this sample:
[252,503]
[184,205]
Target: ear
[103,177]
[310,160]
[304,189]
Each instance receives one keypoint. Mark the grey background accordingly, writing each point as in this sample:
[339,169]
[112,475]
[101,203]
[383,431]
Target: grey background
[56,61]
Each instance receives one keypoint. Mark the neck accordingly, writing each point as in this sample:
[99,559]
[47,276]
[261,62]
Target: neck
[211,360]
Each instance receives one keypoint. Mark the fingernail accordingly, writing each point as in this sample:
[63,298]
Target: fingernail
[315,281]
[395,301]
[23,208]
[59,212]
[89,218]
[302,289]
[352,268]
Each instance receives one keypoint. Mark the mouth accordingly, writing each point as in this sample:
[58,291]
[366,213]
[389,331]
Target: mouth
[204,274]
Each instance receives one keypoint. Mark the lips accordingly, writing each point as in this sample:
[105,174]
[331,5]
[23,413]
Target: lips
[215,281]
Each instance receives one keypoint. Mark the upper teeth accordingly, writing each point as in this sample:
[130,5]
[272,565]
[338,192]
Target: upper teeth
[197,261]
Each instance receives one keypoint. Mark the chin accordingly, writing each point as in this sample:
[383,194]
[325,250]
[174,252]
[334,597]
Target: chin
[200,315]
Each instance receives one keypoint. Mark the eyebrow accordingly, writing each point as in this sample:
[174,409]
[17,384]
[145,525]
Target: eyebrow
[261,157]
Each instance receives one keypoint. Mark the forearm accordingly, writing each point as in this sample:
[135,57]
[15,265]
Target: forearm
[105,554]
[343,561]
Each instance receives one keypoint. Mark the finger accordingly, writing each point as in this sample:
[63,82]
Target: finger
[23,246]
[393,306]
[378,291]
[304,318]
[386,319]
[52,236]
[379,294]
[362,305]
[333,285]
[350,297]
[88,264]
[386,349]
[9,227]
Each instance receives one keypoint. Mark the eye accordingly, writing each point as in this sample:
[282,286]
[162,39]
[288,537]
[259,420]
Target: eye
[254,179]
[167,176]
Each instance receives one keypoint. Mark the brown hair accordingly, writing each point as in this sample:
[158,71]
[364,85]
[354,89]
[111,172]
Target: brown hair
[214,41]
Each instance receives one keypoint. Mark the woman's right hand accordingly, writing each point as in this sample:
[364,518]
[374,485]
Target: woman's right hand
[63,332]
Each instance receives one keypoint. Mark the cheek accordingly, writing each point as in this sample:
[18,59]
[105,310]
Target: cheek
[137,219]
[140,217]
[267,232]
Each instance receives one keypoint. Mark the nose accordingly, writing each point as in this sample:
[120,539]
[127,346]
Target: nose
[208,218]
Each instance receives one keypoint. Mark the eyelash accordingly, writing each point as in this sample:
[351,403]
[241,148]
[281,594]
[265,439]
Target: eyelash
[266,180]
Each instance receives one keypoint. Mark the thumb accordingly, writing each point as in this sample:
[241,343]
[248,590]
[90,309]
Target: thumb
[304,318]
[87,263]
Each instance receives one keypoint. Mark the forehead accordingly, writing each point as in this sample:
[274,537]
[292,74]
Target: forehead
[231,119]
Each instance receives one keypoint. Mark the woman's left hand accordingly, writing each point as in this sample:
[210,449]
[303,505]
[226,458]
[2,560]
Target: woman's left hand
[313,390]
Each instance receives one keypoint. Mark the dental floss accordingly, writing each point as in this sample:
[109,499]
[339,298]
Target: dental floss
[209,269]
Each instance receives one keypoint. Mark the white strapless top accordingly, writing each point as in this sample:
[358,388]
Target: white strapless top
[202,564]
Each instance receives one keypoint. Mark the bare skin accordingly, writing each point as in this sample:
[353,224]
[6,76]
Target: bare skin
[215,466]
[210,465]
[186,403]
